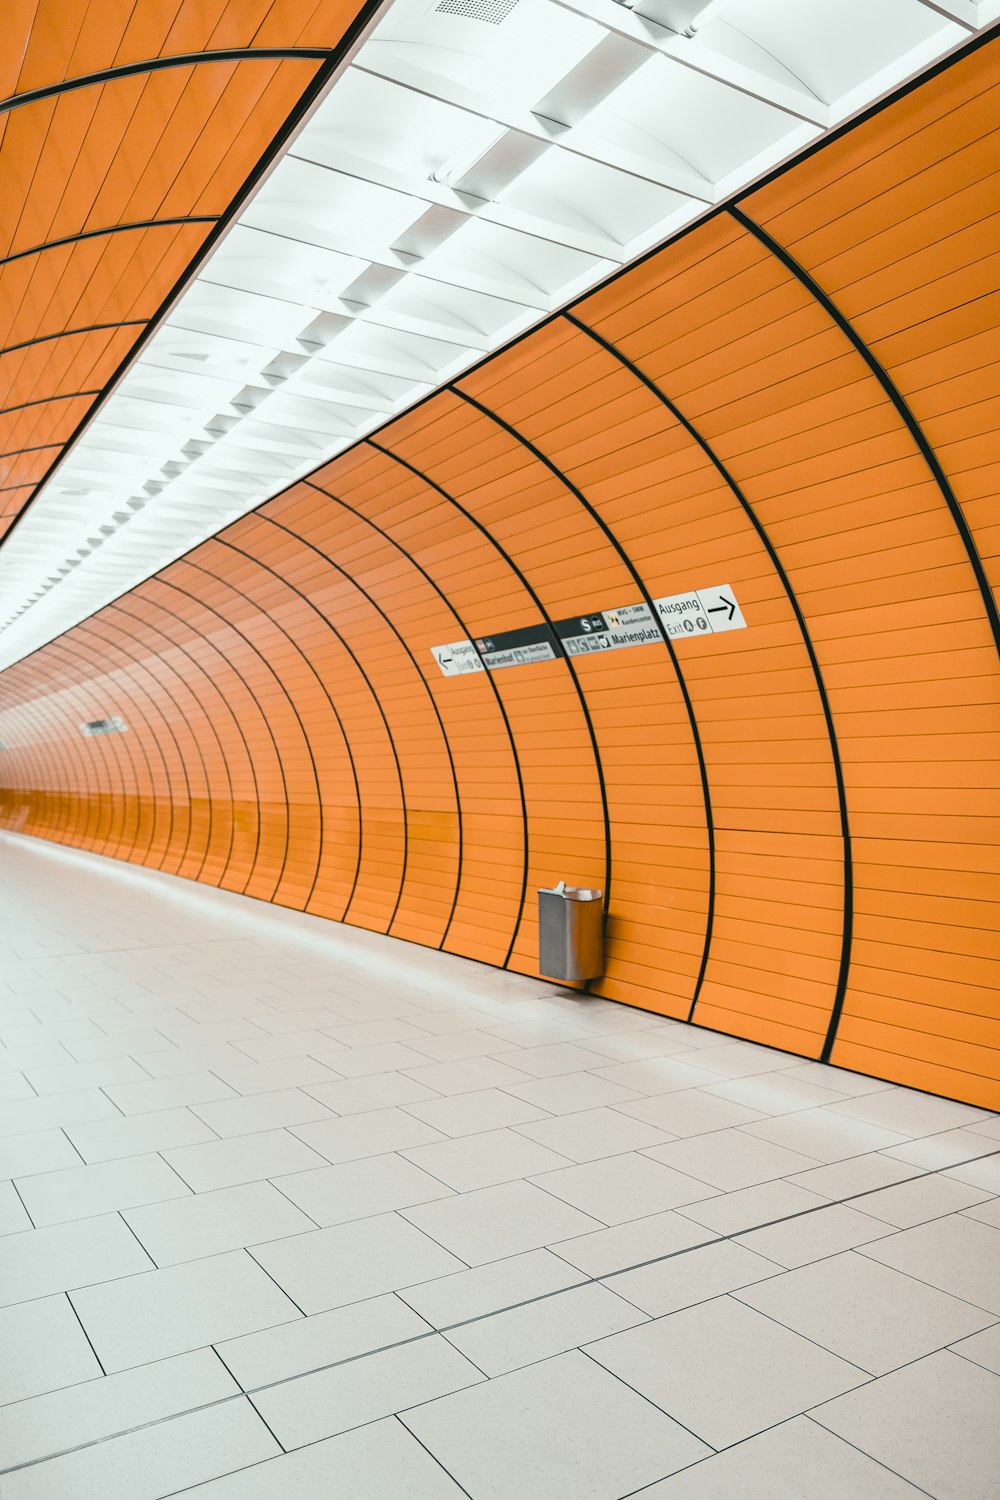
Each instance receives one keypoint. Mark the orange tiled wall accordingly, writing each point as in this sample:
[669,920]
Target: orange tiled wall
[148,118]
[796,823]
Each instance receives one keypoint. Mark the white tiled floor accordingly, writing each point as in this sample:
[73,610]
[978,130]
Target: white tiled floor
[290,1211]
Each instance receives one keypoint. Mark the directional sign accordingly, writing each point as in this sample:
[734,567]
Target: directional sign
[457,658]
[507,648]
[115,725]
[702,612]
[608,630]
[516,648]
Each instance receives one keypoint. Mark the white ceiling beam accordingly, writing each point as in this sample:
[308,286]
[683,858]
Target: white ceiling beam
[597,75]
[460,201]
[648,34]
[965,12]
[677,177]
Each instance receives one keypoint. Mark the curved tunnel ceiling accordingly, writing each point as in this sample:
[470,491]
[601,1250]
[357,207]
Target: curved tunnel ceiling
[471,166]
[795,823]
[126,131]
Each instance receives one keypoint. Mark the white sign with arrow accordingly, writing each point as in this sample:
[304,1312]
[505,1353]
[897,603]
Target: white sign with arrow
[702,612]
[458,658]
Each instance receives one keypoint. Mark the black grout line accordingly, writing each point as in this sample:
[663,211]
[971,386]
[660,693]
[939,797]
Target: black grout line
[83,1159]
[648,1399]
[120,1214]
[17,1192]
[263,1419]
[86,1335]
[248,1251]
[271,1183]
[111,1437]
[433,1455]
[808,1415]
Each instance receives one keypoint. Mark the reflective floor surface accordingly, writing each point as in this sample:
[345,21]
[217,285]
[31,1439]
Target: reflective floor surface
[290,1211]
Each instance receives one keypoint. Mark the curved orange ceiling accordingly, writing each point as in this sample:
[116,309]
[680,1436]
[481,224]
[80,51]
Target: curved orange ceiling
[127,132]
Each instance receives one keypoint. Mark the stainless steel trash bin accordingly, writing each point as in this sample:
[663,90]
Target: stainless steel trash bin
[571,932]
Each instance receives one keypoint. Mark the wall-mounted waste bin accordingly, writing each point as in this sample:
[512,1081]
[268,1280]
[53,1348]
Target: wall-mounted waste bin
[571,932]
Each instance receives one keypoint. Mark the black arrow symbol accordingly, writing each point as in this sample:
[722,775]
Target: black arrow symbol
[729,604]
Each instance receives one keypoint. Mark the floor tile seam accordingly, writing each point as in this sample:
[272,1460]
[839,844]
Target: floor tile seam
[582,1285]
[432,1330]
[867,1378]
[572,1348]
[101,1089]
[993,1312]
[247,1396]
[907,1364]
[952,1349]
[587,1161]
[461,1192]
[307,1088]
[701,1089]
[7,1406]
[429,1332]
[602,1224]
[43,1098]
[870,1456]
[968,1161]
[159,1156]
[270,1182]
[246,1250]
[400,1213]
[95,1381]
[819,1160]
[23,1075]
[406,1110]
[802,1213]
[948,1213]
[847,1199]
[431,1454]
[450,1192]
[906,1090]
[871,1374]
[317,1083]
[59,1093]
[88,1286]
[24,1206]
[263,1420]
[83,1330]
[646,1150]
[649,1402]
[125,1432]
[813,1412]
[774,1427]
[736,1234]
[248,1391]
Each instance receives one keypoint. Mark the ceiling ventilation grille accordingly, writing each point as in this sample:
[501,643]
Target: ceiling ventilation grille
[491,11]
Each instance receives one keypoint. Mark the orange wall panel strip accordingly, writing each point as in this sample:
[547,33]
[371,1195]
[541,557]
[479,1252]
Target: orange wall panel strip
[128,133]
